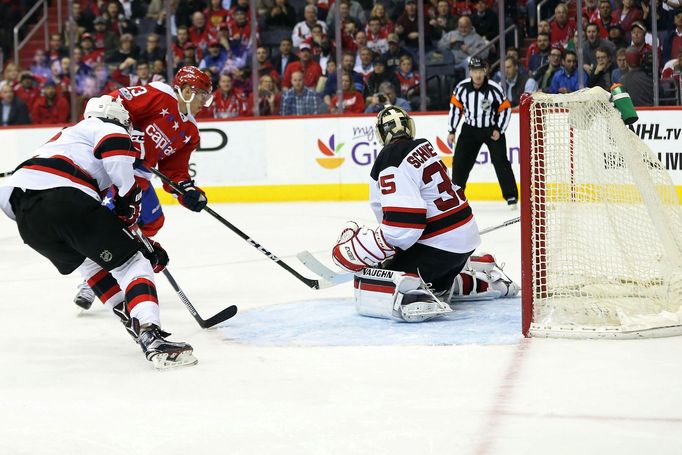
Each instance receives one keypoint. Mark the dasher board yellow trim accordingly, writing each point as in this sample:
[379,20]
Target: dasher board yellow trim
[323,192]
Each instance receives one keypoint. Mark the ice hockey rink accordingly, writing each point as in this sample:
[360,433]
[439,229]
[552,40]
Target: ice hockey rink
[298,372]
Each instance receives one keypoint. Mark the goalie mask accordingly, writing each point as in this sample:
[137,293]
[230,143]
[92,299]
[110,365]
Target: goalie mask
[393,123]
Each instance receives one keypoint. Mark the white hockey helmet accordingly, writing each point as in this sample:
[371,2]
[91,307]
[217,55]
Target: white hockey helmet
[393,123]
[107,107]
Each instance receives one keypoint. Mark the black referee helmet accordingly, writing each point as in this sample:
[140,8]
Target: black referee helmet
[477,63]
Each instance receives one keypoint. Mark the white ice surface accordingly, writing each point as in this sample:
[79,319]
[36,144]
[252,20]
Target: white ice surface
[297,372]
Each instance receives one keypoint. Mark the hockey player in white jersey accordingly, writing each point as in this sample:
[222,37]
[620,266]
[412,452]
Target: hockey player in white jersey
[56,200]
[409,267]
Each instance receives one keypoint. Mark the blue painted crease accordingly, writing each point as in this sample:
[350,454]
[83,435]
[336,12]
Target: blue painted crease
[334,322]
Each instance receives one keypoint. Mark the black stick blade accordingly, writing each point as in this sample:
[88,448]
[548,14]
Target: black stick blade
[224,315]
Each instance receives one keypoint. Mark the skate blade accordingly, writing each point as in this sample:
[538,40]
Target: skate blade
[166,360]
[85,304]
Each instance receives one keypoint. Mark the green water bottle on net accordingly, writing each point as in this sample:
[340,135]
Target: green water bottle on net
[623,103]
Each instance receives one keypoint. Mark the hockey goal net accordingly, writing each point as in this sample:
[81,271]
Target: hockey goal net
[601,224]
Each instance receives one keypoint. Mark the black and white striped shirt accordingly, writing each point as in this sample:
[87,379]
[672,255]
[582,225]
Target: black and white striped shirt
[485,107]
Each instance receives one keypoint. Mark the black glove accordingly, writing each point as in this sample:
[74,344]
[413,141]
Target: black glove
[158,258]
[192,196]
[127,207]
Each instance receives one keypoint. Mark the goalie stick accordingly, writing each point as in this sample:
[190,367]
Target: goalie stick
[222,316]
[6,174]
[311,283]
[317,267]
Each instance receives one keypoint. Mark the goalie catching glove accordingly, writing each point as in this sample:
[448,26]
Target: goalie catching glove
[360,247]
[127,207]
[192,197]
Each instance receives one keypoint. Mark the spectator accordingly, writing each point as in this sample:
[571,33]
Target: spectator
[265,68]
[302,30]
[227,101]
[158,68]
[638,33]
[11,75]
[592,43]
[485,21]
[408,78]
[513,83]
[386,95]
[27,90]
[672,43]
[443,20]
[350,30]
[379,76]
[214,60]
[672,68]
[309,67]
[599,74]
[377,37]
[50,109]
[378,10]
[117,21]
[407,27]
[152,51]
[133,9]
[394,54]
[360,39]
[463,43]
[562,27]
[39,67]
[155,9]
[545,27]
[280,15]
[350,8]
[663,19]
[90,54]
[300,100]
[285,56]
[199,33]
[605,19]
[315,41]
[239,32]
[189,57]
[566,79]
[104,38]
[82,18]
[55,48]
[181,39]
[628,14]
[13,111]
[636,82]
[538,52]
[353,101]
[621,66]
[347,65]
[126,49]
[269,98]
[215,14]
[142,76]
[616,36]
[364,67]
[330,68]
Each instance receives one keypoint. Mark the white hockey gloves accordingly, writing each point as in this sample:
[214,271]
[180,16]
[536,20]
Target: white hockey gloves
[360,247]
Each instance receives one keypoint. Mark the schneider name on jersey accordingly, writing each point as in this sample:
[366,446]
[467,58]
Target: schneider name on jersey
[415,201]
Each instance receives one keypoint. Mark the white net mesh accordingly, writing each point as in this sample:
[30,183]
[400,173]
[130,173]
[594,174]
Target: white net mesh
[606,224]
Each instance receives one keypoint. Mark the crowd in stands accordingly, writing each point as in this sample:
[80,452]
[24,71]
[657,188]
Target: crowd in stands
[122,43]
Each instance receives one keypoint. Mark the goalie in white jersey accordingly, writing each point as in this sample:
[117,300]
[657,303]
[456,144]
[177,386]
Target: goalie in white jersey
[56,200]
[427,234]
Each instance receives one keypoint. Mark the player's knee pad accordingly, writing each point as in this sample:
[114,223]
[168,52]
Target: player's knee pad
[390,294]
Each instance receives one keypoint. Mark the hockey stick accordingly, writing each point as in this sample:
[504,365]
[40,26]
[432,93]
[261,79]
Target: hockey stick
[6,174]
[314,284]
[224,315]
[310,261]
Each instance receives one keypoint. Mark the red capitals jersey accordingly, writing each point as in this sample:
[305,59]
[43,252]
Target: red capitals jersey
[165,136]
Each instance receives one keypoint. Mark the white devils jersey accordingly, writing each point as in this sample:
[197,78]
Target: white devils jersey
[415,201]
[91,156]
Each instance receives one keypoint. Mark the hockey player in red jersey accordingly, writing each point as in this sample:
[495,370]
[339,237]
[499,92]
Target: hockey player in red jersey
[56,200]
[427,234]
[165,130]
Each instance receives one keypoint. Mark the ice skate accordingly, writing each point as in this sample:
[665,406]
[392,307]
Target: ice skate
[85,296]
[161,352]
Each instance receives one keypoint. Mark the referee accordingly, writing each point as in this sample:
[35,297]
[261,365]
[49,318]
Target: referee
[486,112]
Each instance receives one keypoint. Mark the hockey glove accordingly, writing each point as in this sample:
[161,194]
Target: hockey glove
[127,207]
[192,196]
[358,248]
[158,258]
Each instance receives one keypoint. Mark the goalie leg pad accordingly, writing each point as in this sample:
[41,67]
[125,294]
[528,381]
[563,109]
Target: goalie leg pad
[395,295]
[498,280]
[472,286]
